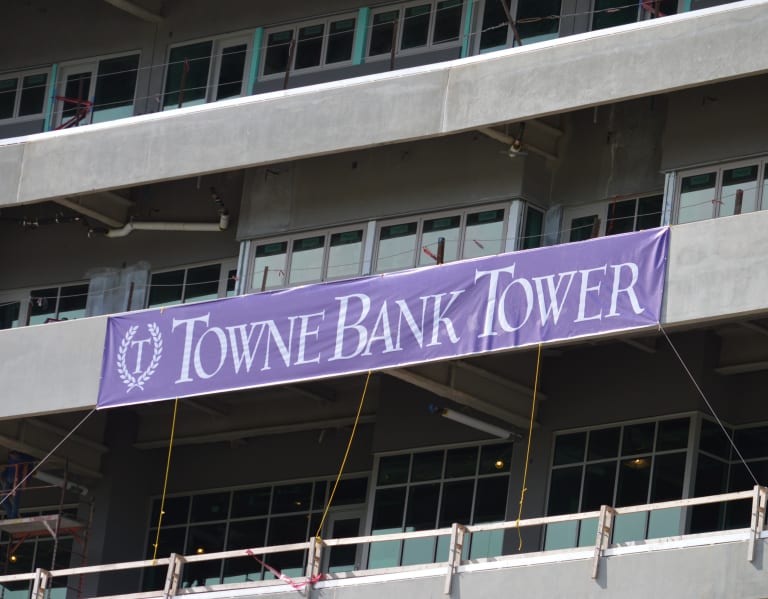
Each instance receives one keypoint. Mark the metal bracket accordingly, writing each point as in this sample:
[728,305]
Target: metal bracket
[314,560]
[603,537]
[757,523]
[173,578]
[41,584]
[458,533]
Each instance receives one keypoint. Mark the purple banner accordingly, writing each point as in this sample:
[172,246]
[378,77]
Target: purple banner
[384,321]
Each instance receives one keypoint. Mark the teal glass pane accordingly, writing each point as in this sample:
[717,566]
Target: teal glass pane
[385,554]
[588,532]
[418,551]
[486,544]
[629,527]
[665,523]
[561,535]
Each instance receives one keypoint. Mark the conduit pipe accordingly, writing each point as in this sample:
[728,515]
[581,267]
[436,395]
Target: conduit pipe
[107,220]
[131,226]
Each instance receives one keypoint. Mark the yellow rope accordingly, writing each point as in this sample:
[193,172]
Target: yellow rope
[344,461]
[528,451]
[165,482]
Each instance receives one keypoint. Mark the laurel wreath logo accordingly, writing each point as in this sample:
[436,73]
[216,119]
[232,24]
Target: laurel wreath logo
[130,381]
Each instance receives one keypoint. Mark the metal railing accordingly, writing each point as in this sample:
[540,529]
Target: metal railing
[42,579]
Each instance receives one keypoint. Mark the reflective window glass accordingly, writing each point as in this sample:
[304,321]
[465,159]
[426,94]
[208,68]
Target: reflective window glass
[697,197]
[231,71]
[382,32]
[416,26]
[446,227]
[202,283]
[341,37]
[278,52]
[610,13]
[538,20]
[291,498]
[175,511]
[115,88]
[307,259]
[668,477]
[351,491]
[396,247]
[211,506]
[427,466]
[187,78]
[569,448]
[207,538]
[393,469]
[584,227]
[599,480]
[634,475]
[8,97]
[344,254]
[621,217]
[9,314]
[309,47]
[638,438]
[447,21]
[461,461]
[494,26]
[166,288]
[603,443]
[42,305]
[72,302]
[534,224]
[231,282]
[495,459]
[484,232]
[564,487]
[739,192]
[491,499]
[672,434]
[713,440]
[456,505]
[269,265]
[649,212]
[388,510]
[244,534]
[78,87]
[32,94]
[251,502]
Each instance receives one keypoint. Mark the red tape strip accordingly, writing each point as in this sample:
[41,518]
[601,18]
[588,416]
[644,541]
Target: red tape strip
[286,579]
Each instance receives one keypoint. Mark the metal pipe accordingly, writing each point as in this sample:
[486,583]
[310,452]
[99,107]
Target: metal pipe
[107,220]
[129,227]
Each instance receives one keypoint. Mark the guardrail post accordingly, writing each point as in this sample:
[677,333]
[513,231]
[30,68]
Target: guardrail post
[314,558]
[173,578]
[41,583]
[758,519]
[603,538]
[458,532]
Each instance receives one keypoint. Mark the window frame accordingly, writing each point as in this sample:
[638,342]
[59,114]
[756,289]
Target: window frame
[514,10]
[761,199]
[601,210]
[429,46]
[226,266]
[20,76]
[294,28]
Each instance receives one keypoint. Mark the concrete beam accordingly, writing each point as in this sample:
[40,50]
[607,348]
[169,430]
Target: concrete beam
[517,84]
[137,11]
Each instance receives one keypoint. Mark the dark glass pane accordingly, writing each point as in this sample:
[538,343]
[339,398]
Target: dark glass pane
[388,509]
[116,82]
[7,97]
[9,315]
[278,52]
[202,283]
[231,71]
[649,212]
[251,502]
[208,538]
[211,506]
[584,227]
[456,505]
[171,541]
[166,288]
[461,462]
[195,61]
[244,534]
[711,475]
[341,37]
[569,448]
[603,443]
[382,30]
[271,249]
[447,21]
[393,469]
[427,466]
[415,26]
[534,222]
[638,438]
[610,13]
[32,94]
[668,475]
[495,25]
[491,499]
[422,507]
[291,498]
[351,491]
[78,87]
[441,224]
[318,495]
[309,47]
[72,301]
[713,440]
[285,530]
[542,16]
[42,305]
[343,557]
[752,442]
[621,217]
[231,282]
[176,511]
[673,434]
[634,476]
[599,482]
[495,459]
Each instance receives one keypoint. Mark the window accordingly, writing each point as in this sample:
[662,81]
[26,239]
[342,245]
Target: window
[533,227]
[57,303]
[9,314]
[433,489]
[309,45]
[622,465]
[242,518]
[610,218]
[722,191]
[23,94]
[307,258]
[193,284]
[413,242]
[416,25]
[611,13]
[206,71]
[536,20]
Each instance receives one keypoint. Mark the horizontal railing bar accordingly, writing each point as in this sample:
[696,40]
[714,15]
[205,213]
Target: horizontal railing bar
[243,552]
[147,563]
[662,505]
[393,536]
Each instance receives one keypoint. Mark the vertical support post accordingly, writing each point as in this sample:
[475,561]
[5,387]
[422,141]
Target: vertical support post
[440,250]
[515,35]
[253,71]
[458,532]
[466,35]
[739,201]
[314,558]
[291,52]
[758,519]
[41,583]
[51,98]
[603,537]
[184,70]
[392,51]
[361,35]
[173,578]
[264,278]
